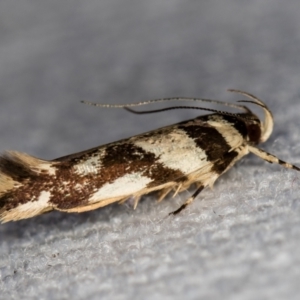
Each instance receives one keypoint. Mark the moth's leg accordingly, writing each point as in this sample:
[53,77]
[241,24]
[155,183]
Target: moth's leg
[136,201]
[188,201]
[177,190]
[163,193]
[271,158]
[122,201]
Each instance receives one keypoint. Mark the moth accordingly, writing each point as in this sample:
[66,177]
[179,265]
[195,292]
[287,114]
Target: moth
[168,159]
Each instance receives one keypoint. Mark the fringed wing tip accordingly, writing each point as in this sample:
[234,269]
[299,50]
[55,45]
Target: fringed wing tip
[15,169]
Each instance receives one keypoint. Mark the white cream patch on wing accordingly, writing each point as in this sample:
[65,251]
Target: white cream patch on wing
[90,165]
[175,150]
[123,186]
[33,163]
[47,167]
[38,205]
[227,130]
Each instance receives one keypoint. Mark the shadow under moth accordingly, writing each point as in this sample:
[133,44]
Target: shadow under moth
[167,159]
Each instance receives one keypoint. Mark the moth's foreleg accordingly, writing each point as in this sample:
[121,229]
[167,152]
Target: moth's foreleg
[188,201]
[271,158]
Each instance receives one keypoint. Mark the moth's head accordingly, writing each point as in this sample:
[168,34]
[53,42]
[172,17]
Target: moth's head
[258,131]
[254,127]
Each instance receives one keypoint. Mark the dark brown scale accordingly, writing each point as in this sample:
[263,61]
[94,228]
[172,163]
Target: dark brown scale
[254,133]
[213,143]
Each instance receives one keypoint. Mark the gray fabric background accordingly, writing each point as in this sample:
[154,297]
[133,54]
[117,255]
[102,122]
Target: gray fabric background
[239,241]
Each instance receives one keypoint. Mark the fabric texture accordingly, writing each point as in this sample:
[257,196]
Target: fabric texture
[239,240]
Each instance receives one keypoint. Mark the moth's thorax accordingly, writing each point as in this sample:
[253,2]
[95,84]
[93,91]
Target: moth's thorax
[247,125]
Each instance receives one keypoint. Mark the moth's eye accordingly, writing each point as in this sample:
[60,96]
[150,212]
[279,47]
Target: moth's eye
[254,132]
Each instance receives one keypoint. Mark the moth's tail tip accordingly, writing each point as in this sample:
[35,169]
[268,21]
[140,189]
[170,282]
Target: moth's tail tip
[4,219]
[10,215]
[14,166]
[16,170]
